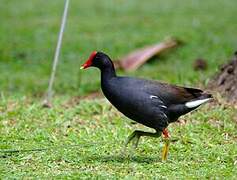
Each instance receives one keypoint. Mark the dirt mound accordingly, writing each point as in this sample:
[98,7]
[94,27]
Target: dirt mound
[225,81]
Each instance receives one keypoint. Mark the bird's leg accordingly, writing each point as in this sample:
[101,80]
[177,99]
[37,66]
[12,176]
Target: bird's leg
[166,147]
[137,134]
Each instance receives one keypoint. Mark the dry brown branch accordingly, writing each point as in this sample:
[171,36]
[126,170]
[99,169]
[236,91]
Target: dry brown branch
[138,57]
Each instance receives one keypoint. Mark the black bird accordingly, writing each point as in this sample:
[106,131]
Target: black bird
[151,103]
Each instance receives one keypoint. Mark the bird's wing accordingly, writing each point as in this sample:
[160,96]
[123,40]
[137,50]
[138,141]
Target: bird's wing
[169,94]
[172,94]
[158,102]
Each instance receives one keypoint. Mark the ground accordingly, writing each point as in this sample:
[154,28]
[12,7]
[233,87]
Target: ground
[84,138]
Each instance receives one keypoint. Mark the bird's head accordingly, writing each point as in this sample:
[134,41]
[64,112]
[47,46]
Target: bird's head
[97,59]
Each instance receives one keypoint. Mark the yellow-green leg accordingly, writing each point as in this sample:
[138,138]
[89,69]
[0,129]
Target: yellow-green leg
[136,136]
[166,146]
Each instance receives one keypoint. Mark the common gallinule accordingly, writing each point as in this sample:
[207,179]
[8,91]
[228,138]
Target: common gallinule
[151,103]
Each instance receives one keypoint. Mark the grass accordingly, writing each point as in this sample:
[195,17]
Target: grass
[30,35]
[84,139]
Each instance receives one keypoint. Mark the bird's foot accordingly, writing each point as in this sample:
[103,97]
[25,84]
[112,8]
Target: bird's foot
[134,138]
[130,138]
[136,135]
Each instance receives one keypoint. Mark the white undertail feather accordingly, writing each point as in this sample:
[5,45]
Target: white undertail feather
[192,104]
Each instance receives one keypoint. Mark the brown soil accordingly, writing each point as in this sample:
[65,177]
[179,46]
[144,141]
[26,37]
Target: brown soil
[225,81]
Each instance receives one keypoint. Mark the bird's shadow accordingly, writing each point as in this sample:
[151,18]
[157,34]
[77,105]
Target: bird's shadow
[118,158]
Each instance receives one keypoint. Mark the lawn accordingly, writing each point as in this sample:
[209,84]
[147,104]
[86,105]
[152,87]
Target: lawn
[84,137]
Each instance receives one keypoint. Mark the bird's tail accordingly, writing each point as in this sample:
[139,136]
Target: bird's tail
[206,96]
[203,98]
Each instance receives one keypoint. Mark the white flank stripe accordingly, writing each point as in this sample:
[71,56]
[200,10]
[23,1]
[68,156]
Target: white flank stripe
[163,106]
[151,96]
[192,104]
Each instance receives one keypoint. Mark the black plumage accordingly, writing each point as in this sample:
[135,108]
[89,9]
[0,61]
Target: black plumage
[151,103]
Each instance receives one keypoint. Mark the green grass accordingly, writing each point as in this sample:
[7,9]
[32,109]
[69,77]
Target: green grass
[84,139]
[29,36]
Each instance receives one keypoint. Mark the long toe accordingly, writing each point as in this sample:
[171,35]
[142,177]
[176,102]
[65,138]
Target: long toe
[136,141]
[130,138]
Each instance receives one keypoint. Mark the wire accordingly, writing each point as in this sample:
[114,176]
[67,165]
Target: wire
[56,55]
[6,151]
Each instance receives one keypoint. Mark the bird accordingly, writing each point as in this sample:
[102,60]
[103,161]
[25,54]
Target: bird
[151,103]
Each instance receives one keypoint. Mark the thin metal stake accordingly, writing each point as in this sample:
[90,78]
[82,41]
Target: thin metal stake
[47,101]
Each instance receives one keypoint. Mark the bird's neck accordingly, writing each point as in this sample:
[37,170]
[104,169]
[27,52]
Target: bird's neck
[107,73]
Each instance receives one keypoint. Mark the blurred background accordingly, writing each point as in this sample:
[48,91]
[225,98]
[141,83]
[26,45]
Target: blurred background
[83,137]
[29,30]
